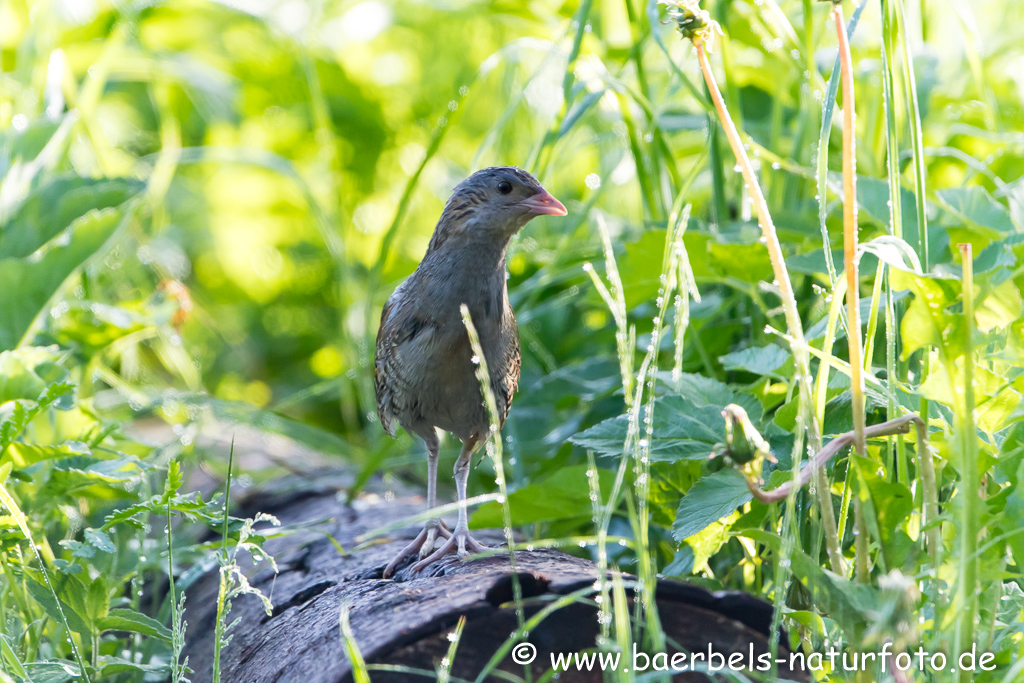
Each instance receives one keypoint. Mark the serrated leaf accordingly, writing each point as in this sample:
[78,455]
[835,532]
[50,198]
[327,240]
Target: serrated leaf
[681,431]
[707,391]
[99,540]
[711,498]
[74,474]
[79,549]
[175,480]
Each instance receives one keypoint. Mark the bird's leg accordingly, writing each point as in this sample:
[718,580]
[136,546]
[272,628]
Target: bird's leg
[425,539]
[460,541]
[435,526]
[461,479]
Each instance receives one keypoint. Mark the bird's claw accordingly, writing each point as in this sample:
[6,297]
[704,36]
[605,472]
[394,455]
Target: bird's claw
[460,543]
[423,544]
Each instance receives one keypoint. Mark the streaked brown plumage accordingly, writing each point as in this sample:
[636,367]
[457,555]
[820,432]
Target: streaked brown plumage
[424,374]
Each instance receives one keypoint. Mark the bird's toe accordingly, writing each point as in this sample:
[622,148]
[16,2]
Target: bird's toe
[448,548]
[428,544]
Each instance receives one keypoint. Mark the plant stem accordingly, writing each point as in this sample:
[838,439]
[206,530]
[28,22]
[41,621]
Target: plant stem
[900,425]
[852,289]
[797,342]
[917,147]
[850,230]
[926,467]
[971,507]
[493,448]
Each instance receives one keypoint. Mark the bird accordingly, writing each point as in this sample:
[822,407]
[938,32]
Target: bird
[424,370]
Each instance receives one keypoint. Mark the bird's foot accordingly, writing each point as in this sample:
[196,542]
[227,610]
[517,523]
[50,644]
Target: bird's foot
[435,528]
[423,544]
[460,543]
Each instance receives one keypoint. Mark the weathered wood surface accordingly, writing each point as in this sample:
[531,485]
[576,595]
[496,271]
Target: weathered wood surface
[406,621]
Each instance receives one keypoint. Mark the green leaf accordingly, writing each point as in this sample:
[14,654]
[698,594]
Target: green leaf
[640,268]
[70,588]
[25,372]
[175,480]
[75,474]
[10,658]
[25,411]
[711,498]
[978,209]
[681,431]
[563,495]
[53,207]
[886,505]
[852,605]
[97,600]
[873,200]
[771,360]
[79,549]
[682,562]
[99,540]
[24,455]
[1013,512]
[706,391]
[52,671]
[124,619]
[190,506]
[926,322]
[110,666]
[38,277]
[585,380]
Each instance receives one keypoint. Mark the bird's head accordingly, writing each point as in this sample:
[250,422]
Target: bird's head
[495,203]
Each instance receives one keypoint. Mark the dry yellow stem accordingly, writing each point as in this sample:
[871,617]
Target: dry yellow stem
[798,343]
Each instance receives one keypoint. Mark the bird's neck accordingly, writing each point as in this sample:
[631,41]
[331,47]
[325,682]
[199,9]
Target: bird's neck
[468,272]
[479,262]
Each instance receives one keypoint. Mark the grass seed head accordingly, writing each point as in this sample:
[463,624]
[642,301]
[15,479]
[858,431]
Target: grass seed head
[695,24]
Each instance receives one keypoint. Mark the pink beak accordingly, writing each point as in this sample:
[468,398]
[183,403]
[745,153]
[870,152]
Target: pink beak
[543,204]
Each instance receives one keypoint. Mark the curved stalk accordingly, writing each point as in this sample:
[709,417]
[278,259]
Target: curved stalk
[901,425]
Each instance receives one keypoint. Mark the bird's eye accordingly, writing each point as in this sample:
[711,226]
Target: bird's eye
[504,187]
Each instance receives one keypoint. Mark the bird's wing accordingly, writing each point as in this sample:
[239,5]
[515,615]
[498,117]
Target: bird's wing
[513,361]
[385,367]
[401,323]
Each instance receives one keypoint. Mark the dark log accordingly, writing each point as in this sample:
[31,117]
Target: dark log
[406,621]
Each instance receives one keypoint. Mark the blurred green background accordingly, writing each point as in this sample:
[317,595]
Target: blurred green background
[205,205]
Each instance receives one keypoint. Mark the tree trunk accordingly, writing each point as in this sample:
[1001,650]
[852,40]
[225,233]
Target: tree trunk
[405,622]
